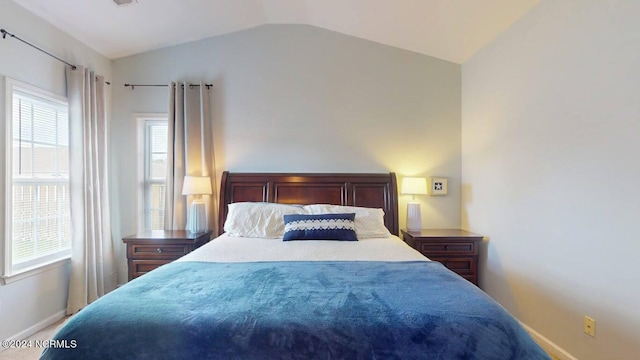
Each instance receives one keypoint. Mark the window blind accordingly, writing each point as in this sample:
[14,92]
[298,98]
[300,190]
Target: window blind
[155,173]
[41,227]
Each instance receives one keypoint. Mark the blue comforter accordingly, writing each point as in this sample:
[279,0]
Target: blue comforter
[295,310]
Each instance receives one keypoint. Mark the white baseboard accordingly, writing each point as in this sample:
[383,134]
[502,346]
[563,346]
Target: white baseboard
[548,345]
[37,327]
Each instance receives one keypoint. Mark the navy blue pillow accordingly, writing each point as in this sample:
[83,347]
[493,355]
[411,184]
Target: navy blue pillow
[320,227]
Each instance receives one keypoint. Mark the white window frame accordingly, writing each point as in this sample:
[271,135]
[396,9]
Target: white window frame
[54,260]
[142,120]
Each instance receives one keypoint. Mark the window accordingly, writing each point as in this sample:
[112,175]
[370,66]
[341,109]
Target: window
[152,165]
[38,220]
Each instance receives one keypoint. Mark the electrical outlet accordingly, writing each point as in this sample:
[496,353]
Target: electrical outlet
[589,326]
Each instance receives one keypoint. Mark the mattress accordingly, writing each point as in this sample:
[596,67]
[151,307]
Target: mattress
[252,298]
[228,248]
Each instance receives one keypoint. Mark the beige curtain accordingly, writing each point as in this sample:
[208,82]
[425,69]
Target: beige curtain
[93,271]
[190,152]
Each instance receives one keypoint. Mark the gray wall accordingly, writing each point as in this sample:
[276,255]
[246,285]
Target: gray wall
[300,98]
[550,141]
[36,301]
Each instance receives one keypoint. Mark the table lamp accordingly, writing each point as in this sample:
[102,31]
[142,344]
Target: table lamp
[414,186]
[197,215]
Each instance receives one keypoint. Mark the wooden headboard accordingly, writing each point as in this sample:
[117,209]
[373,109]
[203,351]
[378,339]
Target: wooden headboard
[367,190]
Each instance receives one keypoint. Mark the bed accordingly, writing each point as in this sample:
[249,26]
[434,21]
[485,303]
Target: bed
[250,295]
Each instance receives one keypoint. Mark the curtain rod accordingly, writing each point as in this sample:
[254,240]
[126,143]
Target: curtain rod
[4,36]
[133,86]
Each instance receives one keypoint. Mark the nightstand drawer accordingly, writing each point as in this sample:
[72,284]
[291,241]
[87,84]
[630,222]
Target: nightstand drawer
[141,267]
[447,248]
[148,250]
[459,265]
[455,248]
[165,251]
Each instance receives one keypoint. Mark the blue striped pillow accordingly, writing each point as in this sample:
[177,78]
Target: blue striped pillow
[320,227]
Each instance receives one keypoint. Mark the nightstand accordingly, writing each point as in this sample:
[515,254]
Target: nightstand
[454,248]
[151,249]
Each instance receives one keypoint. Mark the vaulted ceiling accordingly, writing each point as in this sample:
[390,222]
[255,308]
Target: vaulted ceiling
[452,30]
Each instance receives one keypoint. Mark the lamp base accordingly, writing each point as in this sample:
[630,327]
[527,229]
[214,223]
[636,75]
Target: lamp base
[197,217]
[414,217]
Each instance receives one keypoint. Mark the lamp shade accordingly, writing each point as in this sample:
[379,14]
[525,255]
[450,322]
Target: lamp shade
[414,186]
[196,185]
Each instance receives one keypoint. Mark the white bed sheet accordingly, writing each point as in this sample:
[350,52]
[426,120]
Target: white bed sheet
[226,248]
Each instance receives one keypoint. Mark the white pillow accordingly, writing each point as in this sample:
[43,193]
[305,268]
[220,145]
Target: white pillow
[263,220]
[369,222]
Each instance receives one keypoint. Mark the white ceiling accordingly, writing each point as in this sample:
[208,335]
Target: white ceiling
[452,30]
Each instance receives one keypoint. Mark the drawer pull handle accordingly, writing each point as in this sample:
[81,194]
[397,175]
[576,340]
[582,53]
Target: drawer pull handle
[446,247]
[159,251]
